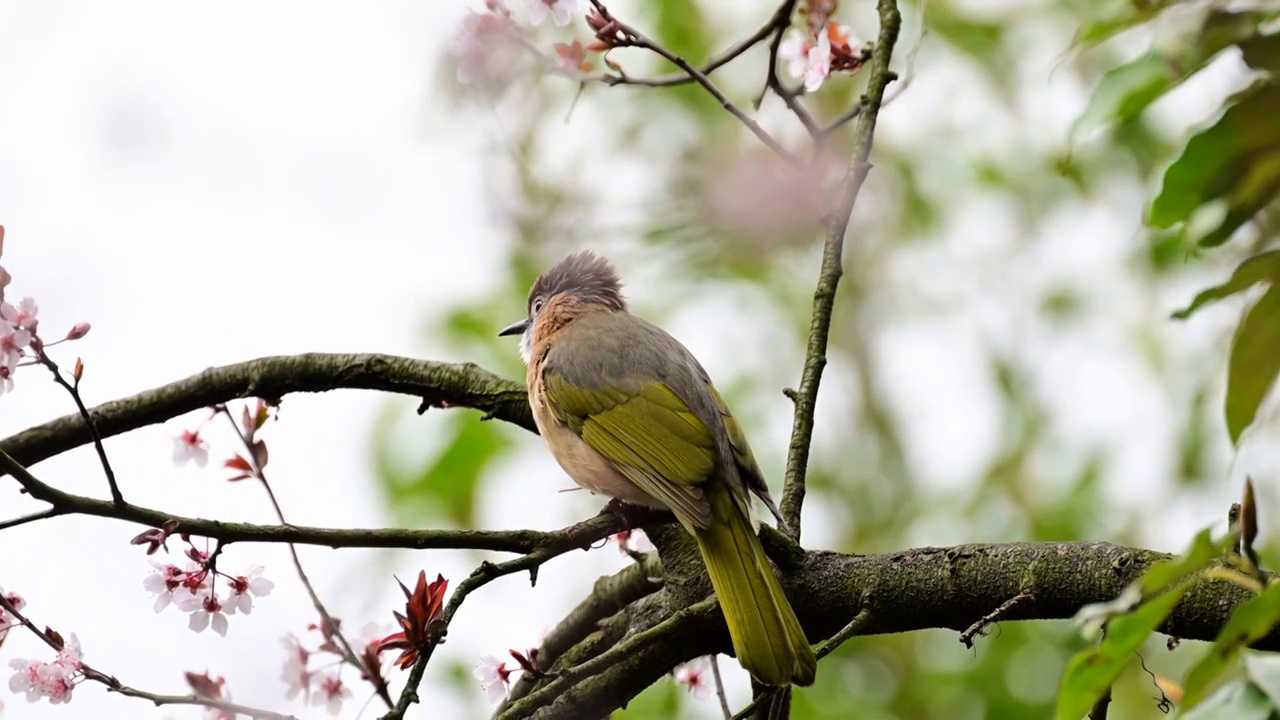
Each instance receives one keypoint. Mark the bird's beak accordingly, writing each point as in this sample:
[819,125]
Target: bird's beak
[515,328]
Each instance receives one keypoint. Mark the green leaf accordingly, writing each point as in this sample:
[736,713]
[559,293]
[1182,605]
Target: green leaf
[1114,17]
[1237,701]
[1249,623]
[1202,552]
[1264,670]
[1094,670]
[1254,362]
[1126,91]
[1236,160]
[1263,267]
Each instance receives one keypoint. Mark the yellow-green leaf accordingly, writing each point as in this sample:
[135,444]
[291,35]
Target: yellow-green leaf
[1093,671]
[1249,623]
[1254,362]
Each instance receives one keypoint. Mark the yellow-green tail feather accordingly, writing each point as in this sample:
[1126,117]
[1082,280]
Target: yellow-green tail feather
[766,635]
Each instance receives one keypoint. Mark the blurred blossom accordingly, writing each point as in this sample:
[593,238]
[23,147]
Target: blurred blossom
[486,50]
[559,10]
[696,676]
[759,198]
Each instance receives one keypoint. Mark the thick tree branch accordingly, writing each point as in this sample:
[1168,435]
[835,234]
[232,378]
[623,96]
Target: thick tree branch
[948,588]
[438,384]
[836,223]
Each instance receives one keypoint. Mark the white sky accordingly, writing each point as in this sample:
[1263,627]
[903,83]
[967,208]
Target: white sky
[212,183]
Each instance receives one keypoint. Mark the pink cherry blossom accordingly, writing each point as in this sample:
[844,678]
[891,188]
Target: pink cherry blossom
[190,447]
[559,10]
[245,587]
[633,541]
[295,674]
[55,680]
[484,49]
[819,62]
[6,622]
[494,677]
[206,612]
[695,675]
[26,678]
[794,51]
[13,339]
[330,694]
[166,584]
[23,316]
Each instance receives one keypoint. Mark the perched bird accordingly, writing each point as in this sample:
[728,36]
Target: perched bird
[628,412]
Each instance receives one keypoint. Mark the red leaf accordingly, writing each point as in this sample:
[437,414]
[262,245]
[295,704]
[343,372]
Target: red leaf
[260,453]
[239,463]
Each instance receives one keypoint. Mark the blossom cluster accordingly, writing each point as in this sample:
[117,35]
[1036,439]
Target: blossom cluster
[322,687]
[191,588]
[485,43]
[54,680]
[19,342]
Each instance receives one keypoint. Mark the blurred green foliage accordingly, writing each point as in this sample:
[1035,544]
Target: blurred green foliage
[1029,117]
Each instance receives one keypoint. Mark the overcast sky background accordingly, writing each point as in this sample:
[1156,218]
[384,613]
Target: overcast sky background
[208,184]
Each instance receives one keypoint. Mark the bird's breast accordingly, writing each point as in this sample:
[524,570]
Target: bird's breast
[586,467]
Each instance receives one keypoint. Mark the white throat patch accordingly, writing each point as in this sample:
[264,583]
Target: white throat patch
[526,344]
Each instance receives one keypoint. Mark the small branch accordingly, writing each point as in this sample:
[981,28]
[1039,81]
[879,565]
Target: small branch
[116,686]
[513,541]
[854,627]
[766,697]
[609,595]
[665,630]
[715,63]
[908,75]
[438,384]
[43,514]
[724,699]
[980,627]
[483,575]
[639,39]
[330,628]
[74,391]
[836,223]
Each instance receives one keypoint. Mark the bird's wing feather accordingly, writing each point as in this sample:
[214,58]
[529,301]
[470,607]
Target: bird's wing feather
[748,470]
[647,433]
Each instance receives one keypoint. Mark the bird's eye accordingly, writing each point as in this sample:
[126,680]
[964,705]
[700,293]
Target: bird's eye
[537,305]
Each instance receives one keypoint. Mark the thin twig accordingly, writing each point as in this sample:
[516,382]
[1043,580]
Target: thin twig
[74,391]
[578,535]
[980,627]
[116,686]
[43,514]
[836,223]
[639,39]
[724,699]
[598,664]
[715,63]
[854,626]
[908,75]
[331,628]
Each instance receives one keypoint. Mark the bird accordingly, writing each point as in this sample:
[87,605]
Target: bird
[630,413]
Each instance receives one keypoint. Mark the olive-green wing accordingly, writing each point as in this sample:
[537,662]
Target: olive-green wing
[746,462]
[648,434]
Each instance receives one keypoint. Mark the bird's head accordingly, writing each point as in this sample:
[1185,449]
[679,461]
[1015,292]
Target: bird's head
[581,283]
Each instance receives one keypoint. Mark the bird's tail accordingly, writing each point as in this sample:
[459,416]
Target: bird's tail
[766,635]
